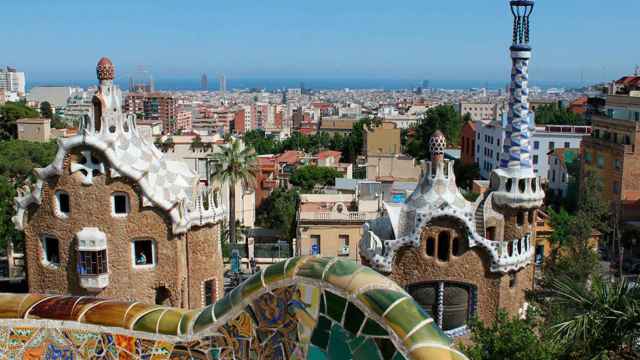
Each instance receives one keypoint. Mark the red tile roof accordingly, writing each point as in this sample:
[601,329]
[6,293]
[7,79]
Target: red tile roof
[329,153]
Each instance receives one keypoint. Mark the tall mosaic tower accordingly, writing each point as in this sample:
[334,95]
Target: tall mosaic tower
[515,180]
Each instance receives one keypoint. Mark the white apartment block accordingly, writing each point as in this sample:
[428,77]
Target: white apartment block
[12,81]
[544,139]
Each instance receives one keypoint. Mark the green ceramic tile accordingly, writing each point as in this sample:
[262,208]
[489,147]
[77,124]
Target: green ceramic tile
[338,347]
[353,318]
[379,300]
[372,328]
[320,336]
[406,315]
[427,333]
[315,353]
[399,356]
[251,285]
[222,307]
[356,341]
[274,273]
[322,308]
[335,305]
[204,319]
[386,347]
[188,319]
[293,264]
[149,321]
[314,267]
[341,269]
[367,351]
[169,322]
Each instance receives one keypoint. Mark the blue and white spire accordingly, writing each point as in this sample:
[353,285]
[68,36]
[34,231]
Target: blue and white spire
[517,147]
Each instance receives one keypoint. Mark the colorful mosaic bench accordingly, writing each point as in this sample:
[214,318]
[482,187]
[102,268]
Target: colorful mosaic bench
[303,308]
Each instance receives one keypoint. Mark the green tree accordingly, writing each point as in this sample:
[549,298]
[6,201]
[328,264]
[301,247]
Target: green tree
[465,174]
[508,339]
[278,212]
[602,321]
[444,118]
[45,110]
[307,177]
[555,115]
[196,144]
[8,231]
[234,164]
[17,161]
[9,114]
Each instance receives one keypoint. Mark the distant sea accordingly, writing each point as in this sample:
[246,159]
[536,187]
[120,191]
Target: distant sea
[313,84]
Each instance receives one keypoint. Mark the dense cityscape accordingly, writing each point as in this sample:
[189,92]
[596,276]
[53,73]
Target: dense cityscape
[426,222]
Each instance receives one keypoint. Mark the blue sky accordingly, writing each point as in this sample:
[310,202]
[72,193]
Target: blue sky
[408,39]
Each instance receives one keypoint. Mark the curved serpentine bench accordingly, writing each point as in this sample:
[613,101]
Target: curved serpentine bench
[303,308]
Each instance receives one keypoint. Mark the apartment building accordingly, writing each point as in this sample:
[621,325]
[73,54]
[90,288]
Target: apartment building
[480,111]
[490,141]
[153,106]
[12,81]
[559,177]
[611,153]
[331,224]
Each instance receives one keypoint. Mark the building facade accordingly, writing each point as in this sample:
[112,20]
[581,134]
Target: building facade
[611,151]
[112,217]
[459,259]
[559,177]
[12,81]
[153,106]
[490,138]
[479,111]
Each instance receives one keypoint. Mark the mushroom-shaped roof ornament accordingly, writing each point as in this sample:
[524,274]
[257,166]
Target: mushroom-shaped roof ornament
[105,69]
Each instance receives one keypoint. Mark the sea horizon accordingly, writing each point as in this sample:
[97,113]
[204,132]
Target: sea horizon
[271,84]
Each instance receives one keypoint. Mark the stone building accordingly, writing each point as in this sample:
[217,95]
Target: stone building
[112,217]
[462,259]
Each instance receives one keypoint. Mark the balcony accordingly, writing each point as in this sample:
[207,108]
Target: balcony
[94,282]
[603,144]
[347,216]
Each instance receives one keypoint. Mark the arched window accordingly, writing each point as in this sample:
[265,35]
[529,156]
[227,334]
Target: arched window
[520,218]
[210,292]
[512,280]
[163,296]
[431,246]
[532,216]
[522,185]
[443,246]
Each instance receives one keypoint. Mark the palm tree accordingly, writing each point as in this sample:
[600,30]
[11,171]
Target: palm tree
[601,321]
[233,164]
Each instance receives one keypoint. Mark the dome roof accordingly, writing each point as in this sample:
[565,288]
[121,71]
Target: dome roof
[105,69]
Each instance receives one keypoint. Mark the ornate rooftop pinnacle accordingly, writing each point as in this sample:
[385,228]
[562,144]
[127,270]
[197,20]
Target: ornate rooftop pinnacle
[437,144]
[521,10]
[105,69]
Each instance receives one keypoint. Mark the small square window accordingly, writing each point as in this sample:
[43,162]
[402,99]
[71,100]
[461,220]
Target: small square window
[51,249]
[535,159]
[552,145]
[63,205]
[120,204]
[567,145]
[144,253]
[536,145]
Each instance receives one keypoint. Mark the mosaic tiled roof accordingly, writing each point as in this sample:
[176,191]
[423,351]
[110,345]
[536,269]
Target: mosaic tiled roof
[170,185]
[437,196]
[305,307]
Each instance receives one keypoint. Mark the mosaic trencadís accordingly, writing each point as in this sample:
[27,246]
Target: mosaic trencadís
[303,308]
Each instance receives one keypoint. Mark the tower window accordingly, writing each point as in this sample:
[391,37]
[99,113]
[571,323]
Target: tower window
[531,217]
[491,233]
[51,250]
[120,204]
[443,246]
[431,247]
[520,218]
[450,304]
[143,253]
[63,206]
[512,280]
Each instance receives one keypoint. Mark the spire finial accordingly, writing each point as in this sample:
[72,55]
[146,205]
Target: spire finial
[437,144]
[105,69]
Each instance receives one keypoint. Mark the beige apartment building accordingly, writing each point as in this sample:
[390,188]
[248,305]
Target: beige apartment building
[34,129]
[384,158]
[331,224]
[383,140]
[480,111]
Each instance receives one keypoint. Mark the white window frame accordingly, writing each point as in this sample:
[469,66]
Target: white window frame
[154,255]
[113,204]
[43,245]
[59,213]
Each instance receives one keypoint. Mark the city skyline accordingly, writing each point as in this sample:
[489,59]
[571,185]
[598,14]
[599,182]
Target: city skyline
[436,41]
